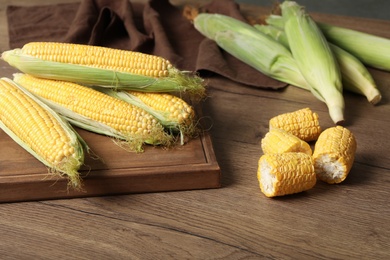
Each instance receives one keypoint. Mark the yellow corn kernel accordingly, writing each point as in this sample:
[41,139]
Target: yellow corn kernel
[176,108]
[334,154]
[100,57]
[127,119]
[302,123]
[280,141]
[285,173]
[40,132]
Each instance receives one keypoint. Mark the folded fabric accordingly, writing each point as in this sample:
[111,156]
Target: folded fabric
[156,27]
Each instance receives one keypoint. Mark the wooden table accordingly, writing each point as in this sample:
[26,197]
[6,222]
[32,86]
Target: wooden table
[346,221]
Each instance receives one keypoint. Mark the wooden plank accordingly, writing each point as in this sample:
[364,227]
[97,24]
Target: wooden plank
[117,171]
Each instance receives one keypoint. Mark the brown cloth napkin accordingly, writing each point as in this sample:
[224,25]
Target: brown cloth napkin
[156,27]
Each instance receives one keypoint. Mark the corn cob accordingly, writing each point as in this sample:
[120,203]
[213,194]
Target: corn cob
[172,112]
[285,173]
[353,41]
[95,111]
[252,47]
[372,50]
[314,58]
[334,154]
[355,76]
[41,132]
[302,123]
[101,66]
[280,141]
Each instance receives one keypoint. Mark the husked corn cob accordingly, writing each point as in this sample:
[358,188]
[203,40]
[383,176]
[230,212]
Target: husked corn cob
[285,173]
[178,109]
[171,111]
[100,57]
[176,113]
[40,131]
[334,154]
[281,141]
[96,111]
[102,66]
[302,123]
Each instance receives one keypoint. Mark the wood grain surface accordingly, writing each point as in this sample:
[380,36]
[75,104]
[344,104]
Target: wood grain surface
[346,221]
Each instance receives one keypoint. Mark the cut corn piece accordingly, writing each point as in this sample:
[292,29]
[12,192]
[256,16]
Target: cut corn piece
[355,76]
[98,112]
[334,154]
[302,123]
[40,131]
[314,58]
[102,66]
[285,173]
[250,46]
[281,141]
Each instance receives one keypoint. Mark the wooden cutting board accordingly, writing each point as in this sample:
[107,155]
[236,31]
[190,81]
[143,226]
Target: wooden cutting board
[117,171]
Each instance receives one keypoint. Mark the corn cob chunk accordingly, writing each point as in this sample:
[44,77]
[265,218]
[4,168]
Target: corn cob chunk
[334,154]
[281,141]
[302,123]
[123,120]
[285,173]
[40,131]
[102,66]
[314,58]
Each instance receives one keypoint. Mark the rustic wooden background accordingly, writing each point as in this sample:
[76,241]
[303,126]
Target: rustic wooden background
[236,221]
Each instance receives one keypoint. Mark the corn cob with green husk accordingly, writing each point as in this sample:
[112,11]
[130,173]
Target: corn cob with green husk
[355,76]
[314,57]
[101,66]
[97,112]
[372,50]
[267,55]
[172,112]
[247,44]
[40,131]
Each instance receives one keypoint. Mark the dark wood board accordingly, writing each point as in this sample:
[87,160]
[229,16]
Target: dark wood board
[117,171]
